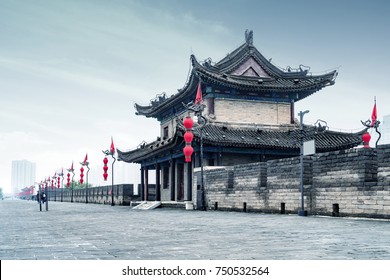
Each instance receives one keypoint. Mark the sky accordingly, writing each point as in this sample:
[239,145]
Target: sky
[71,71]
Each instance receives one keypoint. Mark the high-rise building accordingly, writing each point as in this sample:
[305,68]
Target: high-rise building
[23,175]
[385,130]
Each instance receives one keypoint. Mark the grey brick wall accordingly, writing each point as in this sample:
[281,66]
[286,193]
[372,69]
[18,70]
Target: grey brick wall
[123,194]
[356,180]
[272,113]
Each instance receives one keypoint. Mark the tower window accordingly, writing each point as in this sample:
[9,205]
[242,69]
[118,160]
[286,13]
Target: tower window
[165,132]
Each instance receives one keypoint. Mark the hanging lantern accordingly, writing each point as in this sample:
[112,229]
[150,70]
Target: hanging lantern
[188,150]
[105,168]
[68,183]
[366,137]
[58,182]
[81,175]
[188,137]
[52,184]
[188,122]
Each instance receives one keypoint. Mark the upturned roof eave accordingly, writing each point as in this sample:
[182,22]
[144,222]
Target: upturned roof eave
[148,150]
[153,111]
[245,84]
[259,84]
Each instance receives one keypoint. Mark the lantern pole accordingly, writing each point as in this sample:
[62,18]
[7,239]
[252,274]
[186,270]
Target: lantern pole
[111,152]
[112,180]
[59,183]
[86,163]
[62,176]
[202,122]
[302,212]
[72,171]
[86,186]
[188,150]
[72,184]
[366,137]
[373,123]
[198,108]
[53,184]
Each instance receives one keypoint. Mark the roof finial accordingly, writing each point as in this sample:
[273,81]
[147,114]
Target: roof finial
[249,37]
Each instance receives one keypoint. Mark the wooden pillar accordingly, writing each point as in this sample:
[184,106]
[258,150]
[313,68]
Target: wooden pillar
[180,181]
[172,179]
[146,191]
[219,156]
[142,194]
[158,183]
[292,111]
[189,181]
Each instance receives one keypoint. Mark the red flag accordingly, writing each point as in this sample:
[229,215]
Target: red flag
[112,148]
[374,115]
[199,98]
[85,159]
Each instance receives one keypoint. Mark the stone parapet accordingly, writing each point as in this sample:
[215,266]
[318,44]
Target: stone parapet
[123,195]
[354,182]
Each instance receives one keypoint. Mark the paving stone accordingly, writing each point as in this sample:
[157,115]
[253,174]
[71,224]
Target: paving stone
[79,231]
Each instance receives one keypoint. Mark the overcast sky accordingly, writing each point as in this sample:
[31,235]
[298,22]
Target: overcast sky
[70,71]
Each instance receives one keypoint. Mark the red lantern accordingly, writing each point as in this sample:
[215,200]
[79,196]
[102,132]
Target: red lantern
[188,150]
[105,168]
[81,175]
[188,122]
[68,183]
[366,137]
[58,182]
[188,136]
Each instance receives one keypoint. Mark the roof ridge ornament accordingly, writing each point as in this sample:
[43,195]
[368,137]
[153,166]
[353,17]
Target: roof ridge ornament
[160,98]
[249,37]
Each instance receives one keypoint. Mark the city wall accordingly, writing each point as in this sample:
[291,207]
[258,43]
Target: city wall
[353,182]
[123,195]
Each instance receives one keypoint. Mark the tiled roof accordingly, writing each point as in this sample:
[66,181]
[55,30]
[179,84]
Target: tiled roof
[276,138]
[149,149]
[291,84]
[282,138]
[304,84]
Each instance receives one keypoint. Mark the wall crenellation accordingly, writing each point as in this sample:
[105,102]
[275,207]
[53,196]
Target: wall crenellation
[124,194]
[354,182]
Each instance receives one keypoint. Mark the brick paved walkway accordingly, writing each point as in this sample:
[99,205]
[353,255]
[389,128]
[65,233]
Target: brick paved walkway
[91,231]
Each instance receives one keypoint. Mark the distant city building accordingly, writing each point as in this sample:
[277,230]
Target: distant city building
[385,130]
[23,175]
